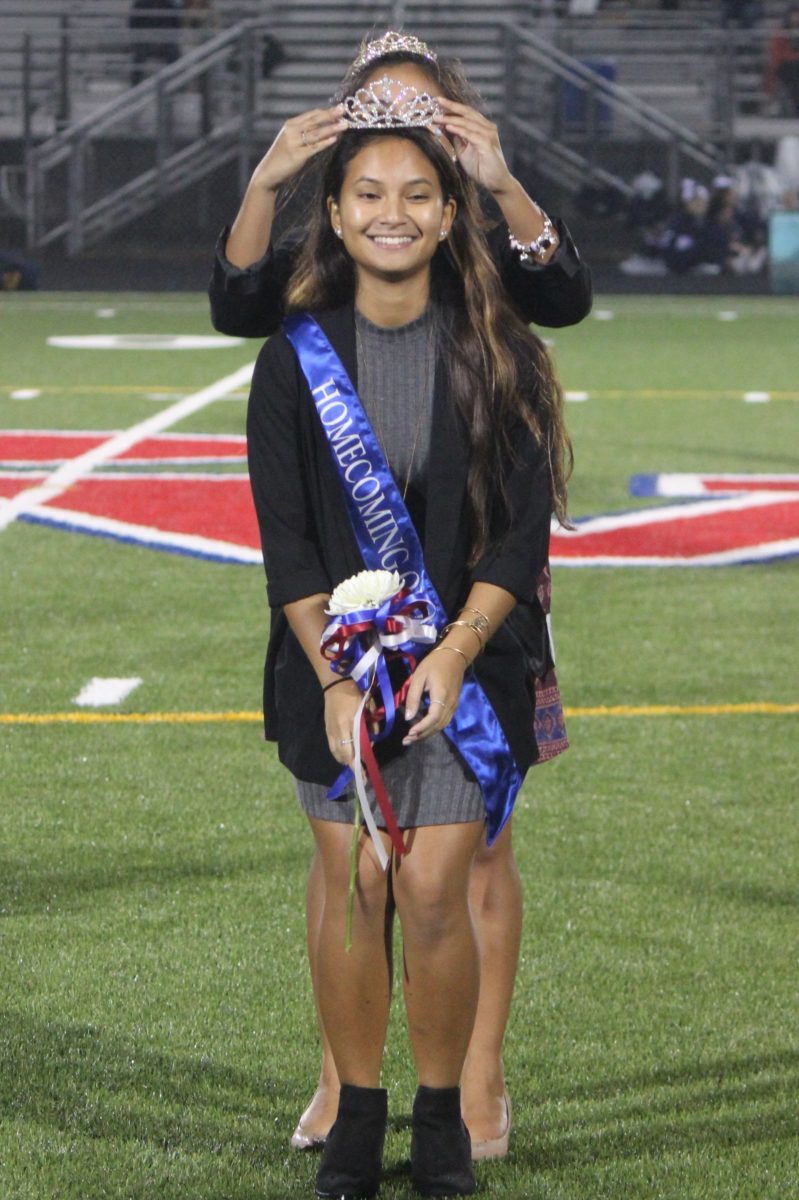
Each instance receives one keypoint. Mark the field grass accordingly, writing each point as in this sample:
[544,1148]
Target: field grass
[156,1029]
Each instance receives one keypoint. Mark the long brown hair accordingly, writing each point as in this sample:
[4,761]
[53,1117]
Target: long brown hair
[499,373]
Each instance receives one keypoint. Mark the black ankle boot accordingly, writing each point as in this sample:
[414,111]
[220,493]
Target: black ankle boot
[441,1150]
[352,1157]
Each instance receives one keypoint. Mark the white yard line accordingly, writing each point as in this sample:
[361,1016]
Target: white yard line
[64,476]
[100,692]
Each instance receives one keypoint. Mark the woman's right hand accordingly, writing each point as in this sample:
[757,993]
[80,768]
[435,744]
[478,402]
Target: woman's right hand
[299,140]
[341,705]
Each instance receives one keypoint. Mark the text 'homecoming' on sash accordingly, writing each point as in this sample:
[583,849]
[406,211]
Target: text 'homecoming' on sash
[362,484]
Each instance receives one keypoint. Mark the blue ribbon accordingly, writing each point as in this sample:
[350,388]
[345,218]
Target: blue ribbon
[387,540]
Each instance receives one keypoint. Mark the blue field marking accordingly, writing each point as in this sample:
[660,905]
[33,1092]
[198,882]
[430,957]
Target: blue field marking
[644,486]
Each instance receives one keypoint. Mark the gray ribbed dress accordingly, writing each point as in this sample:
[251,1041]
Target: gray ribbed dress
[429,784]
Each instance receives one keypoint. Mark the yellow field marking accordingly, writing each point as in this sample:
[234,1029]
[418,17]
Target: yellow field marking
[761,708]
[155,718]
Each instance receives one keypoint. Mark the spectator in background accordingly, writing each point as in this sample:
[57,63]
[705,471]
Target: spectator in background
[782,70]
[730,237]
[681,242]
[17,273]
[762,188]
[163,16]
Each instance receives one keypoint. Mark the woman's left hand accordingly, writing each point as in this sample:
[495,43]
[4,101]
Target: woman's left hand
[439,676]
[476,143]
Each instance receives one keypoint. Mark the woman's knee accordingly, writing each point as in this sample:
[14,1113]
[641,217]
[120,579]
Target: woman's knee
[371,881]
[432,893]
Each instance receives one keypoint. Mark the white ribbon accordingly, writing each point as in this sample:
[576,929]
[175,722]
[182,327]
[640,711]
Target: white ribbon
[357,773]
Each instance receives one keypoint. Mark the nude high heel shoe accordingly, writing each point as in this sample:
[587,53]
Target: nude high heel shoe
[496,1147]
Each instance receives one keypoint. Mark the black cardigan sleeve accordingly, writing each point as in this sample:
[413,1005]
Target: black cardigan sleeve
[248,302]
[517,559]
[278,475]
[554,294]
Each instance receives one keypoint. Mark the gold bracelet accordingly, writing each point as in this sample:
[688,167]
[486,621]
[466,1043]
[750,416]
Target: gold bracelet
[466,625]
[485,619]
[454,650]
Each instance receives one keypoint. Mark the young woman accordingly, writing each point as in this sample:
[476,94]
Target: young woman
[462,400]
[551,288]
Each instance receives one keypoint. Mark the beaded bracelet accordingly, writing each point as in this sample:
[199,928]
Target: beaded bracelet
[538,247]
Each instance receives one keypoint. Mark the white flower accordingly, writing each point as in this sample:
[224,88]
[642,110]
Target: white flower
[367,589]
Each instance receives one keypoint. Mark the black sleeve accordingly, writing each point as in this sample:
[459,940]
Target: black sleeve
[555,294]
[519,556]
[292,560]
[248,301]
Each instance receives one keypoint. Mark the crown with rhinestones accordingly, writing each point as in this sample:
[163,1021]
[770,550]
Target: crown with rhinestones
[392,43]
[388,104]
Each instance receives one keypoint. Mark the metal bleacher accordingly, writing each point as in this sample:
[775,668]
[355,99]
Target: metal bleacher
[634,74]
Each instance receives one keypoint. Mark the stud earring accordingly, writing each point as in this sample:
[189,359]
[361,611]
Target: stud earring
[337,232]
[443,234]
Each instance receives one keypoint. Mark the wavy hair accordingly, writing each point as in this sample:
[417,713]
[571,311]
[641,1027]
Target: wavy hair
[499,371]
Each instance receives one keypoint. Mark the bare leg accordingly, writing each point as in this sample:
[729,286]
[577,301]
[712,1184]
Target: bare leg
[353,988]
[320,1114]
[495,896]
[442,970]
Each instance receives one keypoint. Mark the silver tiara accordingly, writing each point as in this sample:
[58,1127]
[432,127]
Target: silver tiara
[389,104]
[393,43]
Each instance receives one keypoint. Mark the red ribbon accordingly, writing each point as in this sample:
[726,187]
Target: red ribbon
[379,788]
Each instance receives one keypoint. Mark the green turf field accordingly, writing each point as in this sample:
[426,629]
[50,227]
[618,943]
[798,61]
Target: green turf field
[156,1027]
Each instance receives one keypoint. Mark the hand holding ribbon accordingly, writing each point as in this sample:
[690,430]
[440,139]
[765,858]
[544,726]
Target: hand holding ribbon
[375,620]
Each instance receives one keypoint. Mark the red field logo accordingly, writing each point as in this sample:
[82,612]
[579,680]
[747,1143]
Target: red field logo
[190,495]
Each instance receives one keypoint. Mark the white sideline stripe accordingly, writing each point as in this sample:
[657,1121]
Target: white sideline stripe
[740,502]
[673,484]
[147,535]
[63,477]
[757,552]
[99,692]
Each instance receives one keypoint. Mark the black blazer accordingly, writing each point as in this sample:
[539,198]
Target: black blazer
[309,547]
[248,302]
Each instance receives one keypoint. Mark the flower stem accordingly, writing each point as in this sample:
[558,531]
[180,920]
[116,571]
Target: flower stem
[356,833]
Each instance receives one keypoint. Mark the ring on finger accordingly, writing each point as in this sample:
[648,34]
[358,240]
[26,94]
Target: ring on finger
[441,702]
[345,741]
[304,136]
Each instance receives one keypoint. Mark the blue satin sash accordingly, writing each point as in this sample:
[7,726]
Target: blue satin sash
[387,540]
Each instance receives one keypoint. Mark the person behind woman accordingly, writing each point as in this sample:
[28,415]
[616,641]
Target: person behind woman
[465,407]
[552,288]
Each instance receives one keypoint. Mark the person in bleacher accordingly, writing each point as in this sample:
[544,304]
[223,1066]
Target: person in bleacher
[551,288]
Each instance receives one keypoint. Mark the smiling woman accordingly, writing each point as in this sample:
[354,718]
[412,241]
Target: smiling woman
[390,214]
[456,427]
